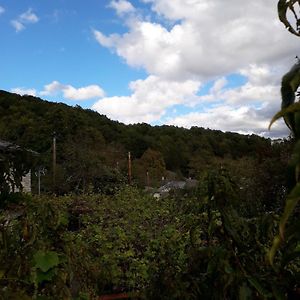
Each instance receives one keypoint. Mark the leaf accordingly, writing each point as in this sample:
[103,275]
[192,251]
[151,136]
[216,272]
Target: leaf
[282,7]
[277,293]
[2,272]
[291,202]
[245,293]
[295,107]
[44,276]
[271,253]
[46,260]
[259,287]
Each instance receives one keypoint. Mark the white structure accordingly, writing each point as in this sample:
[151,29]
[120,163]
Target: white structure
[7,147]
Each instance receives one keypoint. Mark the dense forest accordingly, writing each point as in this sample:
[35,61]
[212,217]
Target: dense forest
[91,150]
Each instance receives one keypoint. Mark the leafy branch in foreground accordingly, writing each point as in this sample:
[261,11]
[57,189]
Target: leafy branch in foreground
[283,7]
[291,114]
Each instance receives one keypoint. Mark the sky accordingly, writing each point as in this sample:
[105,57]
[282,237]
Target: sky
[209,63]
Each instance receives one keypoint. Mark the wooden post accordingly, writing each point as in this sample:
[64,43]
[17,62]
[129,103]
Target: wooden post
[39,181]
[129,168]
[54,162]
[148,179]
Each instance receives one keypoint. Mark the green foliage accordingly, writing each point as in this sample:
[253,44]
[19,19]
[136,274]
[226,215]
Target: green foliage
[200,246]
[150,168]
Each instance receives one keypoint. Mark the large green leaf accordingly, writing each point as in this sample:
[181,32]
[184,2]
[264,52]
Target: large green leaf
[46,260]
[295,107]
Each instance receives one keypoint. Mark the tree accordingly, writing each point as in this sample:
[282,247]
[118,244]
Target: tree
[150,167]
[15,163]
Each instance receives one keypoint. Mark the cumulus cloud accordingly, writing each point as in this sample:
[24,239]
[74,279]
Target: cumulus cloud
[25,18]
[122,7]
[72,93]
[211,39]
[149,99]
[247,108]
[2,10]
[244,120]
[23,91]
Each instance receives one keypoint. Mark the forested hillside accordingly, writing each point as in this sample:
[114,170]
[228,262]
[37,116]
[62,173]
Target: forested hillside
[92,150]
[102,236]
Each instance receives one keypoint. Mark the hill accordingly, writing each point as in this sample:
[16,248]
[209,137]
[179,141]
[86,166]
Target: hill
[92,150]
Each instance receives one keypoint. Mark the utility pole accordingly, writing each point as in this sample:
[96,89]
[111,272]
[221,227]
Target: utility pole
[54,162]
[129,168]
[39,182]
[147,178]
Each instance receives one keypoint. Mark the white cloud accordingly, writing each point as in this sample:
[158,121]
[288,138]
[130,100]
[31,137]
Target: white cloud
[72,93]
[244,120]
[52,88]
[28,17]
[122,7]
[211,39]
[17,25]
[25,18]
[218,85]
[208,41]
[245,109]
[22,91]
[2,10]
[149,99]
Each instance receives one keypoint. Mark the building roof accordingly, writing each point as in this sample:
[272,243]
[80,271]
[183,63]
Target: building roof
[4,145]
[10,147]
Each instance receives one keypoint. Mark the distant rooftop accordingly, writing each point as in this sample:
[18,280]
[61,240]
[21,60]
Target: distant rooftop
[4,145]
[11,147]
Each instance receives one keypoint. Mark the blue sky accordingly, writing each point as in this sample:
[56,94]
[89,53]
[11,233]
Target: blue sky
[155,61]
